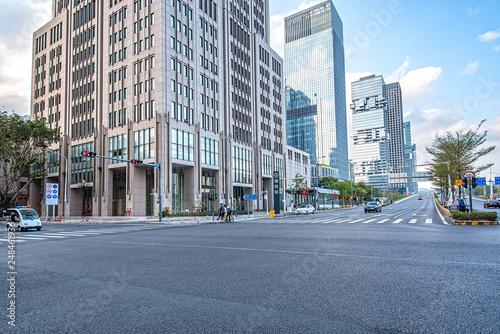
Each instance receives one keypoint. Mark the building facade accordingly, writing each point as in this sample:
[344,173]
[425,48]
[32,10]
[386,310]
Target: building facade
[315,86]
[370,136]
[410,158]
[393,97]
[191,85]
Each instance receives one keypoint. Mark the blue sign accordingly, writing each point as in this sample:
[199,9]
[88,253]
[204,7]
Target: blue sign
[497,180]
[250,197]
[481,181]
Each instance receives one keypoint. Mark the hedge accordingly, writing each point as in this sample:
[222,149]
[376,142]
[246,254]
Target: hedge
[475,216]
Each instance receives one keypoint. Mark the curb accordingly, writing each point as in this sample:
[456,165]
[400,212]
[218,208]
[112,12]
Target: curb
[475,223]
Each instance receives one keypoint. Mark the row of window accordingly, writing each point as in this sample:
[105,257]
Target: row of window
[144,44]
[144,110]
[209,151]
[83,55]
[118,117]
[183,8]
[182,28]
[118,16]
[144,86]
[119,74]
[181,68]
[83,37]
[209,123]
[117,56]
[149,20]
[181,113]
[144,64]
[180,89]
[181,48]
[118,95]
[118,36]
[182,145]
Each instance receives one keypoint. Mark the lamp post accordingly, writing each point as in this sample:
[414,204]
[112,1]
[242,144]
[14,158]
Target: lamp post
[230,169]
[83,185]
[65,184]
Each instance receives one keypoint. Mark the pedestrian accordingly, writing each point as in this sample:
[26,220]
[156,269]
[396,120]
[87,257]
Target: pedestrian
[221,212]
[462,206]
[225,211]
[229,211]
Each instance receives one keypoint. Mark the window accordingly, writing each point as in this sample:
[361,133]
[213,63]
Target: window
[117,148]
[182,145]
[144,144]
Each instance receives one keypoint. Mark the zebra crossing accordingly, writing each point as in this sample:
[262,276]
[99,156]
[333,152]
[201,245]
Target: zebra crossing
[355,220]
[45,235]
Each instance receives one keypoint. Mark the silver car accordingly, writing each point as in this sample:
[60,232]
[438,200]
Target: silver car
[373,206]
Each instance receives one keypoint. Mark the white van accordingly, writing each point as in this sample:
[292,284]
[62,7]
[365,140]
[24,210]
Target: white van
[24,219]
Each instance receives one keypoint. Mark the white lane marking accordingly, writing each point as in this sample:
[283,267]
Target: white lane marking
[367,221]
[341,221]
[428,221]
[30,238]
[412,221]
[382,221]
[6,240]
[52,235]
[354,221]
[440,215]
[72,234]
[397,221]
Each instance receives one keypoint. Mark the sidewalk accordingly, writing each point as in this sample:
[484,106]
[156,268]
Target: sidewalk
[153,220]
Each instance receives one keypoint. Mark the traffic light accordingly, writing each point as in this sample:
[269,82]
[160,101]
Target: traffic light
[474,183]
[464,182]
[136,162]
[210,196]
[215,196]
[88,154]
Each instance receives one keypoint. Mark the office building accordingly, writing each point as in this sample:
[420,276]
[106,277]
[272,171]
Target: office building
[192,86]
[315,86]
[392,95]
[410,158]
[370,136]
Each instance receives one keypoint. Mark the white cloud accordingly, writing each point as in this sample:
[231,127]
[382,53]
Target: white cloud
[417,83]
[470,68]
[18,21]
[489,36]
[398,74]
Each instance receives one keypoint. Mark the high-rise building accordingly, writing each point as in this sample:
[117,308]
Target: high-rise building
[192,86]
[315,86]
[410,158]
[392,95]
[370,136]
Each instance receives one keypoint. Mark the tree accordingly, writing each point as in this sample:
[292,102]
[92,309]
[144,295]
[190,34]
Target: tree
[298,184]
[455,153]
[22,147]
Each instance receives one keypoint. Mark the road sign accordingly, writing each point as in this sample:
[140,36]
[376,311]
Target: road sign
[481,181]
[497,180]
[51,193]
[458,182]
[469,175]
[250,197]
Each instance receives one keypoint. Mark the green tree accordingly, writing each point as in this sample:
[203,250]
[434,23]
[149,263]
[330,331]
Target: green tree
[298,184]
[455,153]
[22,147]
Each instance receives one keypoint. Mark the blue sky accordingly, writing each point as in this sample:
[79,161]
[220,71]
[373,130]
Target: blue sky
[446,54]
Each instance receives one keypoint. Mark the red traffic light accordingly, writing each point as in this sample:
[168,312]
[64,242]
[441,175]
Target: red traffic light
[136,162]
[88,154]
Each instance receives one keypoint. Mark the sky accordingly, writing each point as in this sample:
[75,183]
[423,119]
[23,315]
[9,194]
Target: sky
[445,54]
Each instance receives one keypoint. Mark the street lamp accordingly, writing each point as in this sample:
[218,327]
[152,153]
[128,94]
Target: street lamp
[65,185]
[230,170]
[83,185]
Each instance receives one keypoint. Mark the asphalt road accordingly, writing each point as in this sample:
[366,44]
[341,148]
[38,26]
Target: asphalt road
[403,270]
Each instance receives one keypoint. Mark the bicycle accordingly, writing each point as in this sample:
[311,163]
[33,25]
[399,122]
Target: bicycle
[85,218]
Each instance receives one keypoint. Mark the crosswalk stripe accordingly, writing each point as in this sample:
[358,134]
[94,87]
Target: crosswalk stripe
[367,221]
[412,221]
[6,240]
[382,221]
[397,221]
[428,221]
[354,221]
[53,235]
[31,238]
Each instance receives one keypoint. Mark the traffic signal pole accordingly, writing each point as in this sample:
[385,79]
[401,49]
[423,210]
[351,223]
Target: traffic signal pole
[92,155]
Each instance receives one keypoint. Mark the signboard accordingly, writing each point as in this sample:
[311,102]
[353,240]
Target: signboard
[481,181]
[250,197]
[276,192]
[469,175]
[497,180]
[51,193]
[458,182]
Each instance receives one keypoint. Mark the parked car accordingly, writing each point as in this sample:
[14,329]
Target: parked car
[24,219]
[491,204]
[305,208]
[373,206]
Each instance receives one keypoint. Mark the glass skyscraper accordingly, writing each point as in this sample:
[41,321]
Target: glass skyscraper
[315,86]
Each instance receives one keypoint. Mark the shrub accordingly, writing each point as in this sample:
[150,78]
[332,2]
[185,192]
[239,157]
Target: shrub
[475,216]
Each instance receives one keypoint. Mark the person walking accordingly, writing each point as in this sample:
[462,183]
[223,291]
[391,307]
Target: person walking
[221,212]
